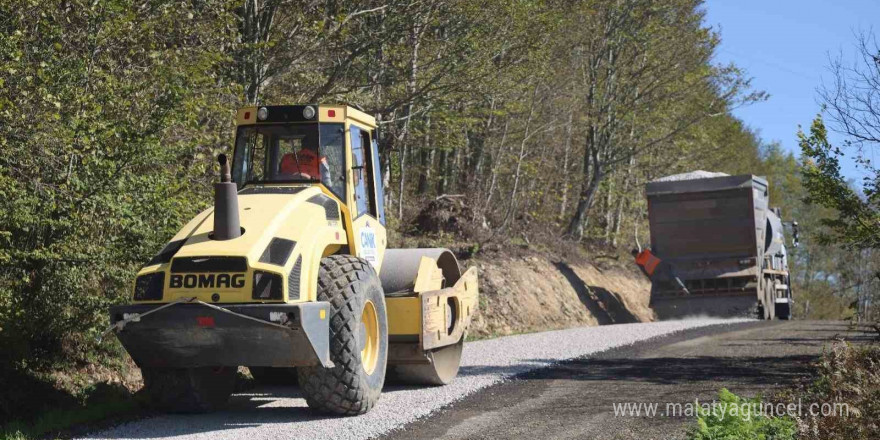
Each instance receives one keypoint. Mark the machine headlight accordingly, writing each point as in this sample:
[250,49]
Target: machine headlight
[309,112]
[149,287]
[262,113]
[267,285]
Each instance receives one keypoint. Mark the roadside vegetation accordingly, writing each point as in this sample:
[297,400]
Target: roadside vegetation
[846,394]
[738,418]
[54,422]
[840,399]
[503,123]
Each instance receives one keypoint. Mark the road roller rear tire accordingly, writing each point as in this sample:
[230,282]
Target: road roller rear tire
[358,339]
[445,362]
[189,390]
[274,375]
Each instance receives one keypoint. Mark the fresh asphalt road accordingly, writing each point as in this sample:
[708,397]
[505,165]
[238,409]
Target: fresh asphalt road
[576,399]
[281,413]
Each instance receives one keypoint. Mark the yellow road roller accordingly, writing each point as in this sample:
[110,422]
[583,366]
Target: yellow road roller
[288,274]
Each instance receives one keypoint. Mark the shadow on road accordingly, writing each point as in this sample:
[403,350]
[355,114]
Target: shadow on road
[509,370]
[852,338]
[667,371]
[247,409]
[672,371]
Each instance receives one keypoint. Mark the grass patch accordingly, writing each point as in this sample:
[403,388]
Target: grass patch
[738,418]
[39,405]
[53,412]
[54,422]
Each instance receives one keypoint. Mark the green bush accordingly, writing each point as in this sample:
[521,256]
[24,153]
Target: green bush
[109,121]
[110,113]
[736,418]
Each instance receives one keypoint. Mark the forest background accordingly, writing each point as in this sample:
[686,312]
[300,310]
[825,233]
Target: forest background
[541,119]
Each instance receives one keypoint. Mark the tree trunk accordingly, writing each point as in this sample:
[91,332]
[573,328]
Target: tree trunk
[518,171]
[479,150]
[402,181]
[565,178]
[618,215]
[257,19]
[609,213]
[415,41]
[458,169]
[426,159]
[441,172]
[588,191]
[495,165]
[389,158]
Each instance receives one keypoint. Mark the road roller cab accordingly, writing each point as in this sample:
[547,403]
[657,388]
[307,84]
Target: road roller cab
[289,275]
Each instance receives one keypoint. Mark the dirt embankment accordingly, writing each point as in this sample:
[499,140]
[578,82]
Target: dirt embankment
[535,291]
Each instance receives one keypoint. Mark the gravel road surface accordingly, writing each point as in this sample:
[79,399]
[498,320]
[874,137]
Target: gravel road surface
[576,399]
[280,412]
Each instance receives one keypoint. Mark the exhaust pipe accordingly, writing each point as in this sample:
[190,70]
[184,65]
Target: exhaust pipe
[226,223]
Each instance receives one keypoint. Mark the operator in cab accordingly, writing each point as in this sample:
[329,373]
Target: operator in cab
[304,164]
[291,153]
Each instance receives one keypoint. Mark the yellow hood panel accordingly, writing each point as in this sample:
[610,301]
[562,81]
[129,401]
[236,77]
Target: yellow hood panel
[264,216]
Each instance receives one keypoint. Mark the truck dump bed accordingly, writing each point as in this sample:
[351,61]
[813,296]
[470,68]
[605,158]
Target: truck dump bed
[711,230]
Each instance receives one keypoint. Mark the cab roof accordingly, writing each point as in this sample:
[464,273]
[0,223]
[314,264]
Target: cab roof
[276,114]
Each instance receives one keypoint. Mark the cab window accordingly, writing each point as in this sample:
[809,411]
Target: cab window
[362,172]
[277,153]
[333,156]
[376,166]
[290,153]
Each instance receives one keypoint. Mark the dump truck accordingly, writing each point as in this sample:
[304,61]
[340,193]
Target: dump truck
[724,241]
[289,274]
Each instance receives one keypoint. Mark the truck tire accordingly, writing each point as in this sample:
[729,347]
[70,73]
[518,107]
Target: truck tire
[274,375]
[769,299]
[189,390]
[764,307]
[783,311]
[358,339]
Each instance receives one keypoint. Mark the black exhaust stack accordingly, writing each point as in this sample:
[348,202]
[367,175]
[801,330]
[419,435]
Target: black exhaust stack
[226,223]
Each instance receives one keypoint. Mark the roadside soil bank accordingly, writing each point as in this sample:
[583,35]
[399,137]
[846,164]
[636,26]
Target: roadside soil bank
[534,291]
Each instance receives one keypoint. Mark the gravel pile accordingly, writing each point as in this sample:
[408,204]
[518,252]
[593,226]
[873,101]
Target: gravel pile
[693,175]
[280,412]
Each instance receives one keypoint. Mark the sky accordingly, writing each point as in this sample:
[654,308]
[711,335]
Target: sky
[785,46]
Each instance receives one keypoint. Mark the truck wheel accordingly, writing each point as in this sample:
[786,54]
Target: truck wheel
[769,299]
[274,375]
[358,339]
[189,390]
[783,311]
